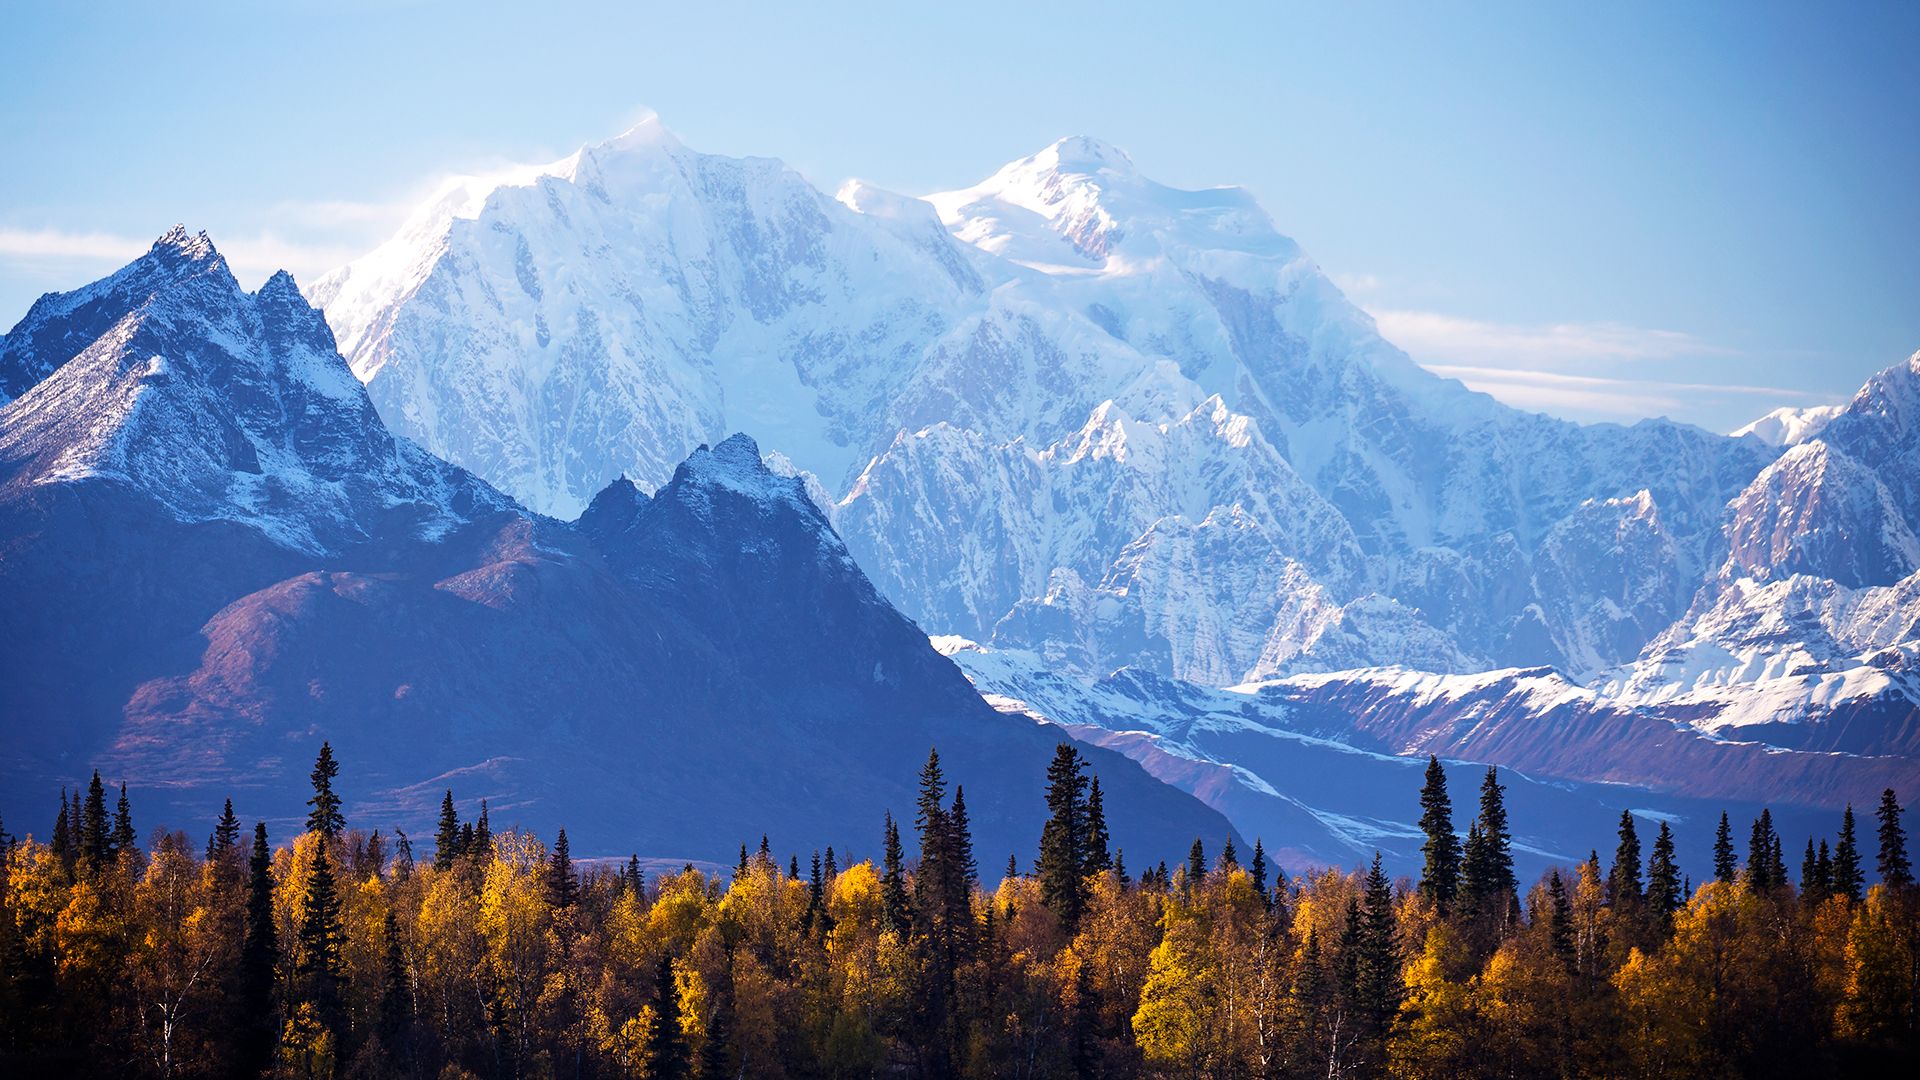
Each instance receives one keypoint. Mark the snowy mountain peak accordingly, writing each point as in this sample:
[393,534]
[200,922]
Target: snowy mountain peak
[178,243]
[646,133]
[736,466]
[1084,154]
[166,378]
[1790,425]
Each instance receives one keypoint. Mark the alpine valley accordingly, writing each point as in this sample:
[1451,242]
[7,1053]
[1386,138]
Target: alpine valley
[1142,470]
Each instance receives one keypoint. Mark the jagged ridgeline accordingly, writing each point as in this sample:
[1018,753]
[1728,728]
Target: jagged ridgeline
[486,950]
[215,550]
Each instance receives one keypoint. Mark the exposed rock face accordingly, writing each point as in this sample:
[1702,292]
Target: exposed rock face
[216,556]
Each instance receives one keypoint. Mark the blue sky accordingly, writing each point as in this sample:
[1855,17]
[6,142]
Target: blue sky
[1604,211]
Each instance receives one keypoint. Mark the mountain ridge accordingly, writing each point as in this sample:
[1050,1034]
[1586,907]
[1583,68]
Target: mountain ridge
[651,295]
[659,675]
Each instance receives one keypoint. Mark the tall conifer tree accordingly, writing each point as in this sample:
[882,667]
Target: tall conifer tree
[1623,879]
[1099,843]
[667,1057]
[321,968]
[1724,865]
[1848,878]
[259,952]
[1440,878]
[1663,878]
[1064,842]
[325,817]
[446,839]
[562,887]
[396,995]
[96,833]
[895,907]
[226,834]
[1895,870]
[123,838]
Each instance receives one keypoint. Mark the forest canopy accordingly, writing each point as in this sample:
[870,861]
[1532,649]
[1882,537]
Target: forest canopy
[337,952]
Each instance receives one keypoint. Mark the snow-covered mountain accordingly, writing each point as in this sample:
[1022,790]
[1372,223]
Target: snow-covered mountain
[219,404]
[213,555]
[1067,408]
[1809,634]
[1323,766]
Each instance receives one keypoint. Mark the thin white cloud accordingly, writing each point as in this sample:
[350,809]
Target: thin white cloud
[1356,284]
[253,256]
[1599,397]
[1431,334]
[51,245]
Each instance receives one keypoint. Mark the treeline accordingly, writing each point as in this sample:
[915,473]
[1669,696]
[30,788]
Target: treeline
[339,953]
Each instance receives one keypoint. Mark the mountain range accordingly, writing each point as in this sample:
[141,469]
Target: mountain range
[1124,450]
[217,556]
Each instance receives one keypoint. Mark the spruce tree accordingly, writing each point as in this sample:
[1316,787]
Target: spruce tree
[1813,890]
[562,887]
[1724,866]
[1064,840]
[482,848]
[667,1057]
[96,836]
[1196,864]
[1378,967]
[793,867]
[123,836]
[259,952]
[1495,834]
[325,818]
[833,865]
[960,840]
[1623,879]
[1561,909]
[1099,844]
[740,869]
[1229,858]
[396,993]
[63,845]
[1259,870]
[895,907]
[446,840]
[1848,877]
[1440,878]
[1487,882]
[1895,871]
[1760,853]
[816,895]
[1663,878]
[226,834]
[321,969]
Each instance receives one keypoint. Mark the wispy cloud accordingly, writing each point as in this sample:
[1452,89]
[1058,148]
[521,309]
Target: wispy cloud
[1585,370]
[1431,334]
[22,245]
[253,256]
[1601,397]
